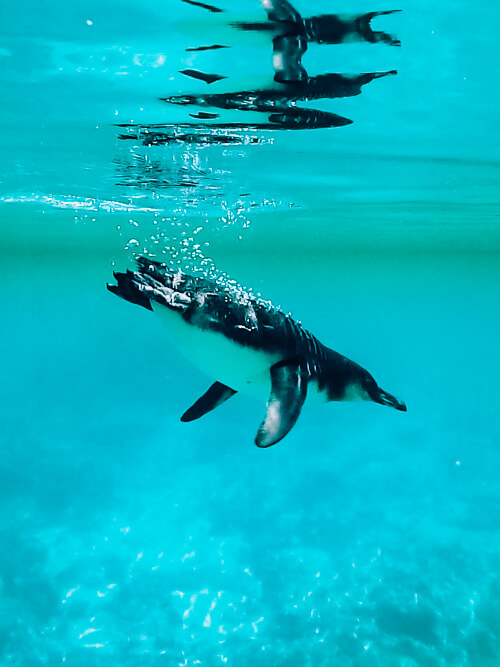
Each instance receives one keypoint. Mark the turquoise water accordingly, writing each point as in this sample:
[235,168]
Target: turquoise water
[368,536]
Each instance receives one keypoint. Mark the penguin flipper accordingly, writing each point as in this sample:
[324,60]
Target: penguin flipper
[287,59]
[211,399]
[288,393]
[281,10]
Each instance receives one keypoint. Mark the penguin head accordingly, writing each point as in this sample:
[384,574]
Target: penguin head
[361,385]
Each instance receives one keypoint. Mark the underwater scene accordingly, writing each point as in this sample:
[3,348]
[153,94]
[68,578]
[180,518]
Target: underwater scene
[298,206]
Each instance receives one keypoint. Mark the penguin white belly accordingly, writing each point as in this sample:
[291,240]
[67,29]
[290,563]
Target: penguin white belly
[242,368]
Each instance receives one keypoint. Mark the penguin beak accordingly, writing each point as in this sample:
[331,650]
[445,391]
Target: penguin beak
[388,399]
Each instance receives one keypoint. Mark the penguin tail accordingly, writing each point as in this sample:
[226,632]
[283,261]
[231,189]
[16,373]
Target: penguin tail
[129,287]
[153,281]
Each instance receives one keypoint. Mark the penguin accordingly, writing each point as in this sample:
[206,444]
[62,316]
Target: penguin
[247,346]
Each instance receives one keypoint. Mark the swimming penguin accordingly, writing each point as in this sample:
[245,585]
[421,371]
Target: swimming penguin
[248,346]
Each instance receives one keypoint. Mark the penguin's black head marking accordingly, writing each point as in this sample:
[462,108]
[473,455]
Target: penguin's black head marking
[361,385]
[376,394]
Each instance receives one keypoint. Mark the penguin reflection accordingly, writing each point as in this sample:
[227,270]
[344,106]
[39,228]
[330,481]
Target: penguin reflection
[291,35]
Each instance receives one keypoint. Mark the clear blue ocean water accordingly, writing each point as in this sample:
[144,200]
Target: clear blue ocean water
[367,537]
